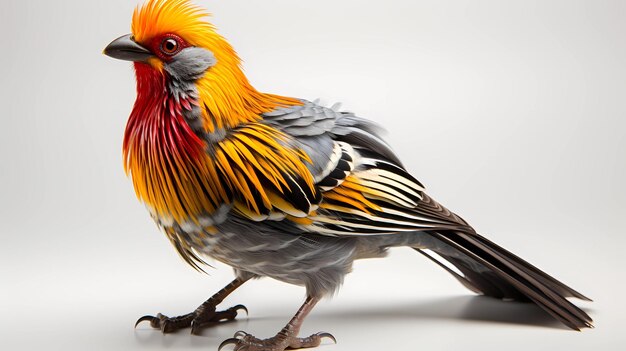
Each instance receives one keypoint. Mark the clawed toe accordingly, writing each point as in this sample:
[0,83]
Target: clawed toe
[167,324]
[197,320]
[310,341]
[229,314]
[240,334]
[201,322]
[149,318]
[240,307]
[327,335]
[243,341]
[231,341]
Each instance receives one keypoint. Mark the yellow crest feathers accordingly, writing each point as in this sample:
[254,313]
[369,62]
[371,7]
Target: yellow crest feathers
[182,17]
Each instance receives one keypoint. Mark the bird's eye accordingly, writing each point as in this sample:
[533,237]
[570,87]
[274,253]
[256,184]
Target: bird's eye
[169,46]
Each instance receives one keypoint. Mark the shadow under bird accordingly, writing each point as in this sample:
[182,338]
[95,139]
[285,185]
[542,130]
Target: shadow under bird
[282,187]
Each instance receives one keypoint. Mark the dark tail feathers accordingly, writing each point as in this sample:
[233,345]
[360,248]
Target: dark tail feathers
[491,270]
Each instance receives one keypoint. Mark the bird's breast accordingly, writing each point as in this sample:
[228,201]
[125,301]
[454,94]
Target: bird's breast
[170,170]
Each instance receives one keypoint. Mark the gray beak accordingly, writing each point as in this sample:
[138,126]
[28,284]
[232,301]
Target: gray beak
[125,48]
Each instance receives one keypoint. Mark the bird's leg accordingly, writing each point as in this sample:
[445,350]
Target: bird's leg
[203,316]
[287,338]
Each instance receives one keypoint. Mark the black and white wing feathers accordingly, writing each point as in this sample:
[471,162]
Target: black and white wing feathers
[365,188]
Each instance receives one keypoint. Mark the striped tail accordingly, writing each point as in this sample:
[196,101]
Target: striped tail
[491,270]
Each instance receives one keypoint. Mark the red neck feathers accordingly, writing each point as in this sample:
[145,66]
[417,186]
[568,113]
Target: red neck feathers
[156,121]
[162,154]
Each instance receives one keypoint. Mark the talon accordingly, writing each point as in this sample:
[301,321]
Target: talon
[240,334]
[196,328]
[145,318]
[327,335]
[241,307]
[233,341]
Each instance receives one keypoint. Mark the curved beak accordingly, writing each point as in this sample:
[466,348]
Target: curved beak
[125,48]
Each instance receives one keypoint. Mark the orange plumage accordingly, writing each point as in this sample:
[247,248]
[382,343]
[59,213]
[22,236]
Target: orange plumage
[281,187]
[170,172]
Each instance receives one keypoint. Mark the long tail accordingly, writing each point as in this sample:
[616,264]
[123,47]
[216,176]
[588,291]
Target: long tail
[491,270]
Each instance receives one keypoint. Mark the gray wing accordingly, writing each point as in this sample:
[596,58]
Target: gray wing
[365,188]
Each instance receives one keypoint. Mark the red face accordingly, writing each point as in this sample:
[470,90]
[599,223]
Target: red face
[166,46]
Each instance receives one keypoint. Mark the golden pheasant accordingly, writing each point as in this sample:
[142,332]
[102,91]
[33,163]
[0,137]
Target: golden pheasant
[282,187]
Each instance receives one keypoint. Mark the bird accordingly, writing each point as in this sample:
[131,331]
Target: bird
[283,187]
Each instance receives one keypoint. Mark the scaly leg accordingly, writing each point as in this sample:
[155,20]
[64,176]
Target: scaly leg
[203,316]
[286,338]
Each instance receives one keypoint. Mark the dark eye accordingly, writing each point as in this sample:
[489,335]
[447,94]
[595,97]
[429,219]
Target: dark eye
[169,46]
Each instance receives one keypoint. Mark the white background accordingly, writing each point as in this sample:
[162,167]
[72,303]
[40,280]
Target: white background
[510,112]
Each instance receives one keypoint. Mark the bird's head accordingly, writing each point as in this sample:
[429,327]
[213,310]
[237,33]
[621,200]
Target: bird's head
[172,40]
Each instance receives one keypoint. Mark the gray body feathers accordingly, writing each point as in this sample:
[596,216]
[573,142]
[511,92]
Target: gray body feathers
[319,255]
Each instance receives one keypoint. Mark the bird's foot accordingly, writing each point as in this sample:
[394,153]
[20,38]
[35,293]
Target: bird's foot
[243,341]
[199,319]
